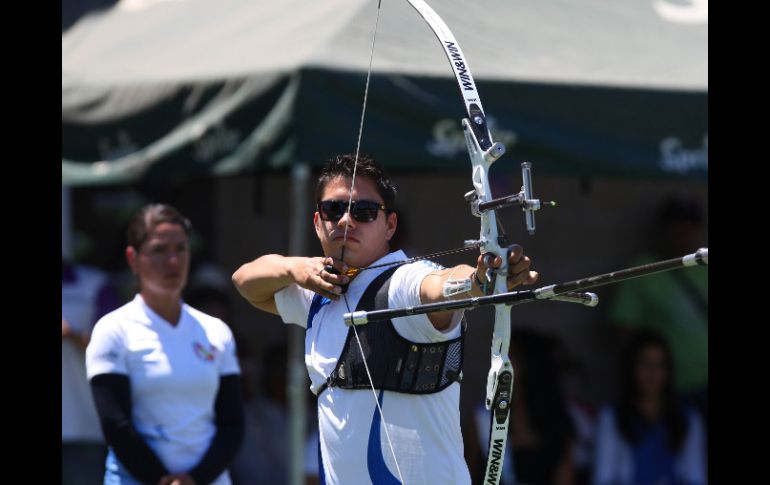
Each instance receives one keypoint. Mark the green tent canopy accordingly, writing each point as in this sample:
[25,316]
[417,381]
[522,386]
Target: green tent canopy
[173,89]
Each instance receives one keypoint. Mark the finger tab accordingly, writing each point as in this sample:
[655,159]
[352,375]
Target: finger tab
[331,269]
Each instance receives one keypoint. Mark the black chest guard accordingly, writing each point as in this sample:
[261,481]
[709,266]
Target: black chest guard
[396,364]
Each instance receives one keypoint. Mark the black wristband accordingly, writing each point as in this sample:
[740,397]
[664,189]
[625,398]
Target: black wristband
[478,282]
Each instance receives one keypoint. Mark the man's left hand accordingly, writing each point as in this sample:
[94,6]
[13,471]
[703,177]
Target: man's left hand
[518,268]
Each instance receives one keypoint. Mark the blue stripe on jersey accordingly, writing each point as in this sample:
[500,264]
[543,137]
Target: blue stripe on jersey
[378,470]
[315,305]
[321,471]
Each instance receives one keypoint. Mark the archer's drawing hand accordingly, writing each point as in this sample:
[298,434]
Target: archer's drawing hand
[313,276]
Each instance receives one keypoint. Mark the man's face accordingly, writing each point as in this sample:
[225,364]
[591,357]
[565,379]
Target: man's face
[366,241]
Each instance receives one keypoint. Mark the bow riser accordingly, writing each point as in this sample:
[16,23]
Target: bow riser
[500,376]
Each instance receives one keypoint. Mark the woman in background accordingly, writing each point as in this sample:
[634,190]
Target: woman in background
[649,437]
[165,376]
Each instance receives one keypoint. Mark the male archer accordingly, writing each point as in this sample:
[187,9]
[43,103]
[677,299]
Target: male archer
[414,363]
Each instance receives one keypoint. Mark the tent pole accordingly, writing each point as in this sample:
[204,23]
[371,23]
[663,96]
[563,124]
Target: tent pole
[297,378]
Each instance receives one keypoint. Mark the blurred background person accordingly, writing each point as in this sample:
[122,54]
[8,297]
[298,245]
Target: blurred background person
[576,383]
[674,303]
[208,292]
[649,437]
[541,435]
[86,295]
[254,463]
[263,458]
[165,376]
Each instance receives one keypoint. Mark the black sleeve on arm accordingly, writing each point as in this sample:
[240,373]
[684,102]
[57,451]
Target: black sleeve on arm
[230,421]
[112,396]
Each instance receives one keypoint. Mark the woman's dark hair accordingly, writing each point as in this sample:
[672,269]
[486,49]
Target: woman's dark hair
[629,415]
[150,216]
[342,166]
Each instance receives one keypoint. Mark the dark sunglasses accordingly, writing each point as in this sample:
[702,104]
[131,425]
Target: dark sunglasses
[360,210]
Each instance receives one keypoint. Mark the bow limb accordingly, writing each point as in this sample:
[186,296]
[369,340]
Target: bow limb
[483,152]
[462,73]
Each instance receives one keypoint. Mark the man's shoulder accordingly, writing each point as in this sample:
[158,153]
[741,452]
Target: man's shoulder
[409,277]
[417,268]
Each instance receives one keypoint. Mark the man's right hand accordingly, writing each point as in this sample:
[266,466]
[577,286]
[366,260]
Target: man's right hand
[258,280]
[313,275]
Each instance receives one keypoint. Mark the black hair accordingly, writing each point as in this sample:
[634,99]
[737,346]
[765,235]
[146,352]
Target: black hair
[149,217]
[628,412]
[343,165]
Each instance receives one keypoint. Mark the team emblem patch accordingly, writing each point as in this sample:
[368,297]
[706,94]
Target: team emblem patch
[204,354]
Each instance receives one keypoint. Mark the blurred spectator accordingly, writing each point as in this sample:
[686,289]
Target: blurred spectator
[541,435]
[583,417]
[576,383]
[263,458]
[163,374]
[208,289]
[86,295]
[674,303]
[649,437]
